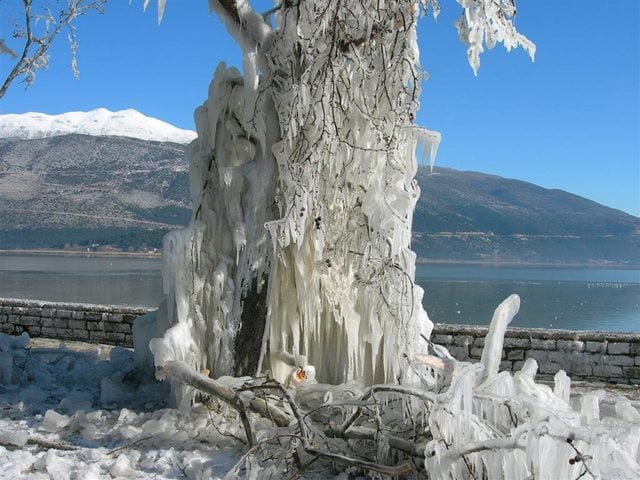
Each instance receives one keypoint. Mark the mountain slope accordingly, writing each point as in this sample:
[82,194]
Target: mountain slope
[89,182]
[99,122]
[124,191]
[474,216]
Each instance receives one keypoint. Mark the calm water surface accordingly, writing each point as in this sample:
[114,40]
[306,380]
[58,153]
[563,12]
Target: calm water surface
[111,281]
[571,298]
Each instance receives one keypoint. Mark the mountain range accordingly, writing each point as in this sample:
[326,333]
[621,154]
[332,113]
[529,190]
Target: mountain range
[72,186]
[124,123]
[471,216]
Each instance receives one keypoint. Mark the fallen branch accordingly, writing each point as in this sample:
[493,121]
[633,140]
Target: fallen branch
[189,376]
[343,459]
[397,443]
[130,445]
[368,393]
[39,442]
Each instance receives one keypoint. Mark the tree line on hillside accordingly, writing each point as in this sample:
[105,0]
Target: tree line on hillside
[131,239]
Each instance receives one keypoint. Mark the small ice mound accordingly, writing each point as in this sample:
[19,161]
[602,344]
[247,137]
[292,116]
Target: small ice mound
[57,466]
[53,422]
[14,463]
[121,359]
[76,402]
[111,393]
[16,439]
[126,416]
[12,352]
[91,425]
[121,467]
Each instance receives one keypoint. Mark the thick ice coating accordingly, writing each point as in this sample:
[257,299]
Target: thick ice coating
[303,189]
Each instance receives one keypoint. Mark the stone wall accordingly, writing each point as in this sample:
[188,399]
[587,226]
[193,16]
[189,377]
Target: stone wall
[585,355]
[597,356]
[69,321]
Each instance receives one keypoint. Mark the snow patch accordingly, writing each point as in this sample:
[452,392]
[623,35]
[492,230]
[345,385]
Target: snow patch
[99,122]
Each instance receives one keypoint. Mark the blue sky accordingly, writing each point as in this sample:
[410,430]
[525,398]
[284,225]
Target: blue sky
[571,120]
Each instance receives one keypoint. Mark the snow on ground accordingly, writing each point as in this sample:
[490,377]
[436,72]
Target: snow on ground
[81,411]
[74,414]
[123,123]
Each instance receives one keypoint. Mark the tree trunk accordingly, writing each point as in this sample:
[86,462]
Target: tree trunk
[302,180]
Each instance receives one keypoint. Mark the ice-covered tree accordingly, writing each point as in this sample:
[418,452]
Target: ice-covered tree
[298,262]
[303,186]
[34,30]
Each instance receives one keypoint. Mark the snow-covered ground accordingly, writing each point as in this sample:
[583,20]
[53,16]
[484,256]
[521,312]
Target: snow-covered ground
[74,414]
[123,123]
[79,411]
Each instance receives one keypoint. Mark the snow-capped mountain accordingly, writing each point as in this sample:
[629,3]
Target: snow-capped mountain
[99,122]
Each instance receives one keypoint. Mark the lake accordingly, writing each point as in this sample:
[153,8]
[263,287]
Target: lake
[570,298]
[558,297]
[133,281]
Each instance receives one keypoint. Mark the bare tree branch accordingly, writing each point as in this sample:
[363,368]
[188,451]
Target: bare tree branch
[185,374]
[31,60]
[244,24]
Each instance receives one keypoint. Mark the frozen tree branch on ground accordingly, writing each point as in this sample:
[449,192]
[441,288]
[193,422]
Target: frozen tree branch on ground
[34,34]
[482,426]
[187,375]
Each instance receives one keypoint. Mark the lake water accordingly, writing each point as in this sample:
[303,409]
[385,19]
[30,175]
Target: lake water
[571,298]
[566,298]
[130,281]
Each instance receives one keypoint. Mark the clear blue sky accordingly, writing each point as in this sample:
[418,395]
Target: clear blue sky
[571,120]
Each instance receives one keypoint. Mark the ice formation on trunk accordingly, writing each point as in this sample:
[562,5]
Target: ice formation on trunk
[303,188]
[298,252]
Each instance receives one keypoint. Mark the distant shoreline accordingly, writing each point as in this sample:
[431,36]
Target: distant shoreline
[80,253]
[419,261]
[490,263]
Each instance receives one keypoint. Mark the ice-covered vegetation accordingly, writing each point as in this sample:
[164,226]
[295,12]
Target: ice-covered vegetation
[292,325]
[297,268]
[33,33]
[81,414]
[303,190]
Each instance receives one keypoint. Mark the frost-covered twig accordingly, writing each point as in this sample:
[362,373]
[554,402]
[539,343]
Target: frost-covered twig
[34,51]
[129,445]
[580,457]
[408,447]
[400,389]
[49,445]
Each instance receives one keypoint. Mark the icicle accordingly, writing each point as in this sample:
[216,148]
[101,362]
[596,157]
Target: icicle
[492,351]
[562,386]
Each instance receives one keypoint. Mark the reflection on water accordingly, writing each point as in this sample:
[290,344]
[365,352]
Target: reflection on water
[571,298]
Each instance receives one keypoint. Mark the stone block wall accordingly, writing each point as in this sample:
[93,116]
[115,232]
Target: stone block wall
[69,321]
[585,355]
